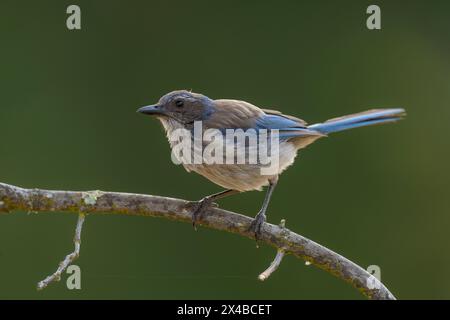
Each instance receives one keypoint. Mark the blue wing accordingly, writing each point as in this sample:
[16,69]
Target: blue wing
[289,127]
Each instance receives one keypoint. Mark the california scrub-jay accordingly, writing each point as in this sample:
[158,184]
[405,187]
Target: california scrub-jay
[181,109]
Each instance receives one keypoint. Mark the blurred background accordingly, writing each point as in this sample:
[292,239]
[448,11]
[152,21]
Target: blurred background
[377,195]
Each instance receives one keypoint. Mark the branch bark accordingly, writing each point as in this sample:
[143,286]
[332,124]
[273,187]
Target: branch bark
[14,198]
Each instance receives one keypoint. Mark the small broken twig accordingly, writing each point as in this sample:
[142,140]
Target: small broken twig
[273,266]
[68,259]
[278,258]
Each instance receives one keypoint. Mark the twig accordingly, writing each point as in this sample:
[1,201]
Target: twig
[273,266]
[18,199]
[276,262]
[69,259]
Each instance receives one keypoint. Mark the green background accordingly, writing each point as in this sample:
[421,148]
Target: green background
[376,195]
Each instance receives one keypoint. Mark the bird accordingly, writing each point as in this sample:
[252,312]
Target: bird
[182,109]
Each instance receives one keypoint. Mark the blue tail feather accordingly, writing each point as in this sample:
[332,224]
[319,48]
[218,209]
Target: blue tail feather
[362,119]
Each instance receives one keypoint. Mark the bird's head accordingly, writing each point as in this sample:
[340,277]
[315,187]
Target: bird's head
[180,108]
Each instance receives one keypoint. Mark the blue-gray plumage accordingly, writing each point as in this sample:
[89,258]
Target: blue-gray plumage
[181,109]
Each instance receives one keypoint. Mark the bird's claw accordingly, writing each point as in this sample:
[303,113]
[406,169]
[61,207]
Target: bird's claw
[199,207]
[256,225]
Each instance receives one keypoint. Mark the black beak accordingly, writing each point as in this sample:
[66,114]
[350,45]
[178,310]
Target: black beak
[151,110]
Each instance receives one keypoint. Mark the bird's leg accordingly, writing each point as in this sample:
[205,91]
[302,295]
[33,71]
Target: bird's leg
[260,218]
[206,202]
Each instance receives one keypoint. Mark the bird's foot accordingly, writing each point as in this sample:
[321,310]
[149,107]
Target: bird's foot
[198,207]
[256,225]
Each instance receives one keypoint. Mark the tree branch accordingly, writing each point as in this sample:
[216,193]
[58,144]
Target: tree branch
[13,198]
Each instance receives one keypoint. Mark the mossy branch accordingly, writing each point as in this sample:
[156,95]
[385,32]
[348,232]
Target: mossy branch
[14,198]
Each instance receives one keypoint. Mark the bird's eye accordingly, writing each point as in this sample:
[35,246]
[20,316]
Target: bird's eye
[179,103]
